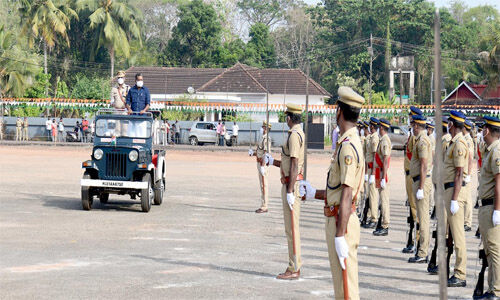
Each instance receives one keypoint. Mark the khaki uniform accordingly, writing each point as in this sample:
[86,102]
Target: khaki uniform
[19,129]
[490,234]
[366,186]
[457,155]
[432,138]
[347,168]
[115,95]
[408,181]
[294,147]
[263,179]
[422,149]
[1,128]
[25,130]
[384,149]
[468,193]
[372,188]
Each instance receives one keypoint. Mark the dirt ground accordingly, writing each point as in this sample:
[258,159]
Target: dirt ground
[204,241]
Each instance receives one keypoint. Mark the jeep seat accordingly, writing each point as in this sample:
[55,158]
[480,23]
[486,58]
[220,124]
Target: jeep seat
[155,160]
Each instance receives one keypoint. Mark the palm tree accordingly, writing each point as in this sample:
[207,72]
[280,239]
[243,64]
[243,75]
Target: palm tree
[17,67]
[114,22]
[46,18]
[490,65]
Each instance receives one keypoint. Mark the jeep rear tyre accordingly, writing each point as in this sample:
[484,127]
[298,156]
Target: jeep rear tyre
[147,194]
[86,194]
[103,198]
[193,141]
[159,188]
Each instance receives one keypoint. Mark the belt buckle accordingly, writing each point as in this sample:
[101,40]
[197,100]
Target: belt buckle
[332,208]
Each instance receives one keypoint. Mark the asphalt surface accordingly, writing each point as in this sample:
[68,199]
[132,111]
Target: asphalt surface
[204,241]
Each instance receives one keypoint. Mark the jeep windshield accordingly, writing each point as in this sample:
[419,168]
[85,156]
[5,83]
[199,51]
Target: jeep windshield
[123,128]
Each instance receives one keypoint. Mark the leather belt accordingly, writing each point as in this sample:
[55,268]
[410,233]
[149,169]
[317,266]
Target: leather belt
[259,160]
[417,178]
[285,180]
[452,184]
[488,201]
[333,211]
[370,165]
[407,172]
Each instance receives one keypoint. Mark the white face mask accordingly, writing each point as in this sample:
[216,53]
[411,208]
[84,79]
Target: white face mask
[378,131]
[140,83]
[362,132]
[121,80]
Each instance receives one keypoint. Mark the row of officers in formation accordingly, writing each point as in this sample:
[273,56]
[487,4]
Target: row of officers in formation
[357,193]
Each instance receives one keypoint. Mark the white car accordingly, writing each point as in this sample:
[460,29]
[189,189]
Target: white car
[205,132]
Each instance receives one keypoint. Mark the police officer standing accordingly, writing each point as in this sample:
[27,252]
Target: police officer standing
[25,129]
[420,168]
[291,168]
[372,189]
[455,164]
[489,212]
[468,194]
[19,129]
[262,168]
[344,181]
[382,159]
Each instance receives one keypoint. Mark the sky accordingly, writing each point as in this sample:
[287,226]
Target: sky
[440,3]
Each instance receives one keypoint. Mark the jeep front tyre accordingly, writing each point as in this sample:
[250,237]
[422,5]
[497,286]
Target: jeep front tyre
[86,194]
[147,193]
[159,188]
[193,141]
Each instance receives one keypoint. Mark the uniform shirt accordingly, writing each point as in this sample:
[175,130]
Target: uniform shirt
[491,167]
[421,149]
[262,146]
[445,143]
[470,147]
[457,156]
[294,147]
[372,146]
[347,167]
[384,148]
[138,98]
[408,149]
[362,140]
[25,123]
[116,101]
[432,138]
[19,123]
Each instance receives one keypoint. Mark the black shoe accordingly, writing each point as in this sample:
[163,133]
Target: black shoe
[371,224]
[433,270]
[381,232]
[409,249]
[455,282]
[478,234]
[467,228]
[417,260]
[486,295]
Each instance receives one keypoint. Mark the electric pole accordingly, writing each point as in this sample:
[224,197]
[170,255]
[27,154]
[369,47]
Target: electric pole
[306,125]
[370,51]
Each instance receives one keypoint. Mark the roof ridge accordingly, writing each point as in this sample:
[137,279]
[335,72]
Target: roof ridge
[238,64]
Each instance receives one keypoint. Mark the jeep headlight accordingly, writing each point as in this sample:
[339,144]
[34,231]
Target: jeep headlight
[133,155]
[98,154]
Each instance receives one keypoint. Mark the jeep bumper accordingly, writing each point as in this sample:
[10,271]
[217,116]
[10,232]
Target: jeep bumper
[114,184]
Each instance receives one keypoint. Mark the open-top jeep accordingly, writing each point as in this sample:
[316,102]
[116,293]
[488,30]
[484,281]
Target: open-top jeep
[123,160]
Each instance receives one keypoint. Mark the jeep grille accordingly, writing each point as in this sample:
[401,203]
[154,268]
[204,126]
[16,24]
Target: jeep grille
[116,165]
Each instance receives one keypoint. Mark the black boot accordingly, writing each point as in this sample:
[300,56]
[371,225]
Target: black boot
[417,260]
[455,282]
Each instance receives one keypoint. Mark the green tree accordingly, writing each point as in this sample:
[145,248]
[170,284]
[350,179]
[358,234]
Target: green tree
[114,23]
[46,19]
[260,49]
[40,86]
[17,67]
[267,12]
[196,39]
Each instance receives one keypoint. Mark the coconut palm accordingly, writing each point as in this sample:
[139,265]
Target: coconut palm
[114,22]
[17,67]
[490,64]
[46,19]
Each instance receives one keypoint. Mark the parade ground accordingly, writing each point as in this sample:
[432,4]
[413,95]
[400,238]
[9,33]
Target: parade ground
[204,242]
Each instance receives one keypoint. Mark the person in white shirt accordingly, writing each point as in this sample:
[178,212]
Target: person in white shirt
[236,128]
[48,128]
[60,126]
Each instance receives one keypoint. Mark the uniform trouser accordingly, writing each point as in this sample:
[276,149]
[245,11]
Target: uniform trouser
[19,133]
[385,206]
[288,227]
[468,205]
[373,195]
[456,223]
[352,238]
[490,236]
[366,194]
[264,188]
[411,196]
[423,215]
[25,134]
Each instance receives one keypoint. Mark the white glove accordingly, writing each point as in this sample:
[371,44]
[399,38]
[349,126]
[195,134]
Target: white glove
[372,179]
[496,217]
[268,159]
[250,152]
[342,250]
[467,179]
[290,198]
[420,194]
[454,207]
[366,177]
[305,188]
[262,170]
[382,183]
